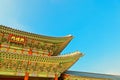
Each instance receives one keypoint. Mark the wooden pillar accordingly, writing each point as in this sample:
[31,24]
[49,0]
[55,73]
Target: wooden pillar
[30,51]
[26,76]
[56,77]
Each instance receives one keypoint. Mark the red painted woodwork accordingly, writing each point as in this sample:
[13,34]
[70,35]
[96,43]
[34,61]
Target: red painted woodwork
[56,77]
[30,52]
[26,76]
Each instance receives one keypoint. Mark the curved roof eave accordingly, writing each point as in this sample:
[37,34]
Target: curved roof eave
[62,41]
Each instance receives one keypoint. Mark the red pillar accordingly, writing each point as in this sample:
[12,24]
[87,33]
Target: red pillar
[30,51]
[26,76]
[56,77]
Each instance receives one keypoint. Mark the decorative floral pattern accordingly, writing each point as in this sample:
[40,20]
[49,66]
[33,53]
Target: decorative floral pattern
[18,64]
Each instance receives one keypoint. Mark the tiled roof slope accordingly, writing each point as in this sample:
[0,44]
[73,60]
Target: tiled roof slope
[96,75]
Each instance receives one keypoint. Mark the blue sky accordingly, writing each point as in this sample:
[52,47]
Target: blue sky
[95,25]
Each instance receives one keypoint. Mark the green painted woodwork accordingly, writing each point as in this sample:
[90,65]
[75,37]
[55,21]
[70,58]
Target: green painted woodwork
[38,66]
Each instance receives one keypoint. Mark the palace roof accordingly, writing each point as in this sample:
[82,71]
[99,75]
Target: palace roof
[59,42]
